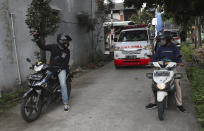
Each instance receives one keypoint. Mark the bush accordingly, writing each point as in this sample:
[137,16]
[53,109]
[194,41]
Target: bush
[187,50]
[196,76]
[10,99]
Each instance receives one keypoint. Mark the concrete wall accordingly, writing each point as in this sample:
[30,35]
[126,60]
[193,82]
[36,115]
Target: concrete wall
[7,62]
[81,46]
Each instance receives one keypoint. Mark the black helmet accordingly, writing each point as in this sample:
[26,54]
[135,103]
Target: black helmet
[168,38]
[165,39]
[63,39]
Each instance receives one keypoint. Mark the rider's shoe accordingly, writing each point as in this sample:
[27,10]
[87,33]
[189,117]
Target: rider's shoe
[181,108]
[151,106]
[66,107]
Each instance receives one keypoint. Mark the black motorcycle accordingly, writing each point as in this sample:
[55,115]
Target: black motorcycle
[44,89]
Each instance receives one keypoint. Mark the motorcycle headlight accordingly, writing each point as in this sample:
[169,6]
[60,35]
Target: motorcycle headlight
[38,68]
[161,86]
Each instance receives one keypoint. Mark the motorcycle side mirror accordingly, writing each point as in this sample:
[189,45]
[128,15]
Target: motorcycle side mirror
[28,60]
[115,39]
[149,75]
[156,64]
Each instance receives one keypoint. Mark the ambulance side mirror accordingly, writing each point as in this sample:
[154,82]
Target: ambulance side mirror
[115,39]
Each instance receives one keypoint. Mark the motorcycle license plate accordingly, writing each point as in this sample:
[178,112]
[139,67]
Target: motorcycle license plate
[161,73]
[132,57]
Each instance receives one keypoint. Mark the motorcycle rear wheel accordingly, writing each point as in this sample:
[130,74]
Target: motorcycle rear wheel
[28,107]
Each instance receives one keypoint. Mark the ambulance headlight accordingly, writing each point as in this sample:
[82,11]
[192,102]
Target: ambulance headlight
[161,86]
[117,49]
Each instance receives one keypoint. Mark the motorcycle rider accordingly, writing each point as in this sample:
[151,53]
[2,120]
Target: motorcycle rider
[168,50]
[60,55]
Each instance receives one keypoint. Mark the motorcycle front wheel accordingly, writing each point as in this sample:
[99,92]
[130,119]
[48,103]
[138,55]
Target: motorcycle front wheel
[161,108]
[31,107]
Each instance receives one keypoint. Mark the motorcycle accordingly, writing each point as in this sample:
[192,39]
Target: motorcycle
[163,84]
[44,89]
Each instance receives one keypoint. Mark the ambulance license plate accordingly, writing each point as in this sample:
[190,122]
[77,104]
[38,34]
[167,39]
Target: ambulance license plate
[131,57]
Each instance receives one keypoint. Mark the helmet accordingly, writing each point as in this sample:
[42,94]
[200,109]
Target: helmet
[63,39]
[165,39]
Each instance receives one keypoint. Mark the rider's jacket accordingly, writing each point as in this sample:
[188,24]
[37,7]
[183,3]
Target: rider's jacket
[168,52]
[59,56]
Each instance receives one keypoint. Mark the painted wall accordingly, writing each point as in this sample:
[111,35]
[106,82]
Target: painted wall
[7,62]
[81,46]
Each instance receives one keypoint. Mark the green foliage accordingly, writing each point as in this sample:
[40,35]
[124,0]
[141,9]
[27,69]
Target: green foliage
[196,75]
[37,56]
[104,8]
[142,17]
[10,99]
[187,50]
[42,18]
[182,11]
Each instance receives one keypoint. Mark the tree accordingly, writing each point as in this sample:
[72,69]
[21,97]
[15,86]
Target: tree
[142,17]
[180,10]
[43,19]
[183,12]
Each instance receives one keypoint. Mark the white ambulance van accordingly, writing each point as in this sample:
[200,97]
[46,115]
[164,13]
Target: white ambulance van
[133,47]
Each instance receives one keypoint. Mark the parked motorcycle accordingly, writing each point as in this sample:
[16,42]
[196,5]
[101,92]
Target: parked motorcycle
[44,89]
[163,84]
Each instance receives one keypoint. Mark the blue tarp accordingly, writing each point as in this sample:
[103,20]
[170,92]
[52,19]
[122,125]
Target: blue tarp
[159,22]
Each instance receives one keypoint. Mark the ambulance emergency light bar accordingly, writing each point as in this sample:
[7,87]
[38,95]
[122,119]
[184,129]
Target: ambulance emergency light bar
[135,26]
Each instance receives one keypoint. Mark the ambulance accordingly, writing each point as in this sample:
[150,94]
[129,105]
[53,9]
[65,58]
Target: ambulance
[133,47]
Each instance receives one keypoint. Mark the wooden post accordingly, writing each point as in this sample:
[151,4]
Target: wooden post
[195,33]
[199,32]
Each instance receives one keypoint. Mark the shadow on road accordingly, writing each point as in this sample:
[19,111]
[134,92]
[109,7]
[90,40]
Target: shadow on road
[133,67]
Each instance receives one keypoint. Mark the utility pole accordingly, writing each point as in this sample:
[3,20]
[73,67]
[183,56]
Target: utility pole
[112,29]
[92,34]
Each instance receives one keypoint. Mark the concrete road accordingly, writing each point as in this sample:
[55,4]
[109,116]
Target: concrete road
[109,99]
